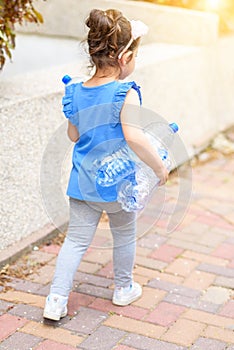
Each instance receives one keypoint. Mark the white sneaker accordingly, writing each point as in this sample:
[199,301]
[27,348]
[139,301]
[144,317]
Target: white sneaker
[55,307]
[127,295]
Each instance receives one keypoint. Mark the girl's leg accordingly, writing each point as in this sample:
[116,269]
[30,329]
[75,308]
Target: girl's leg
[82,226]
[123,228]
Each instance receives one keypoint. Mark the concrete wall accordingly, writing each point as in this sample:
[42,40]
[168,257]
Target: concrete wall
[194,85]
[166,23]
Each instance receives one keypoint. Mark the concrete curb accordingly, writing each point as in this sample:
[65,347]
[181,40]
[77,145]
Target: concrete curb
[12,253]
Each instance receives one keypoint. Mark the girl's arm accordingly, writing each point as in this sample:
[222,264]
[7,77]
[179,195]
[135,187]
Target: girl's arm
[72,132]
[138,141]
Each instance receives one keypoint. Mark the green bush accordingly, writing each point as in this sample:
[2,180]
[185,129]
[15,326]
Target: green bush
[12,12]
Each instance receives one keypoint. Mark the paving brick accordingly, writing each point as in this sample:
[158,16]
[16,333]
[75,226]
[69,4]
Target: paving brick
[218,270]
[224,282]
[9,324]
[206,344]
[39,256]
[44,275]
[43,290]
[143,251]
[24,285]
[182,267]
[89,267]
[228,230]
[190,246]
[60,335]
[166,253]
[129,311]
[104,338]
[99,256]
[219,333]
[150,297]
[151,274]
[5,305]
[204,258]
[199,280]
[92,279]
[20,341]
[184,236]
[225,251]
[123,347]
[151,241]
[210,219]
[51,249]
[134,326]
[95,291]
[230,240]
[187,220]
[165,314]
[53,261]
[194,303]
[174,288]
[106,271]
[228,309]
[211,239]
[170,278]
[145,343]
[27,311]
[76,300]
[147,272]
[183,332]
[86,321]
[24,298]
[216,295]
[150,263]
[208,318]
[195,228]
[103,237]
[143,281]
[219,223]
[52,345]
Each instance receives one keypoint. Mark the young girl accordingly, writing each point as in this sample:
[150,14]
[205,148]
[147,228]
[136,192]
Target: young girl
[96,124]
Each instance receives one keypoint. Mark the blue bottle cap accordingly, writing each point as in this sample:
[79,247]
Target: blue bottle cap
[174,127]
[66,79]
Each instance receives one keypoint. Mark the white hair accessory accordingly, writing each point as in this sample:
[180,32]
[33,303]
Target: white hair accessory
[138,29]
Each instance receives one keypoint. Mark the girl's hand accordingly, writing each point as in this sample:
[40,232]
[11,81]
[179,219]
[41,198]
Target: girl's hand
[162,174]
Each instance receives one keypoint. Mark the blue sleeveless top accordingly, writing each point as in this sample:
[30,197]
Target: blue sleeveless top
[95,111]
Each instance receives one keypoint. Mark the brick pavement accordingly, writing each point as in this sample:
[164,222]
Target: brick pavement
[187,277]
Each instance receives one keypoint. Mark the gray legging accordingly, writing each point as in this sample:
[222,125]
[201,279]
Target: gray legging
[84,218]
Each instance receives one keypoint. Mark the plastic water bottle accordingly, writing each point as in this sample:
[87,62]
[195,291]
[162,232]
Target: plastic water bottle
[123,161]
[67,80]
[133,197]
[116,166]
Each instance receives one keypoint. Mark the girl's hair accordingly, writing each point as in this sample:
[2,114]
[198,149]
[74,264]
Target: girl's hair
[109,33]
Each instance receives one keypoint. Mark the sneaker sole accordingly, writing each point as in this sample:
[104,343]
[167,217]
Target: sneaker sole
[54,317]
[127,302]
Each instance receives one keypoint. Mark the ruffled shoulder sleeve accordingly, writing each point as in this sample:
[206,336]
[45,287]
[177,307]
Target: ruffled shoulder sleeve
[69,108]
[119,99]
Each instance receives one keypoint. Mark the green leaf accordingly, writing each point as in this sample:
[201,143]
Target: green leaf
[38,15]
[7,50]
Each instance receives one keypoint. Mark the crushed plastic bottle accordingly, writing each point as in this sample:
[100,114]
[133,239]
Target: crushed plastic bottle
[114,168]
[133,197]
